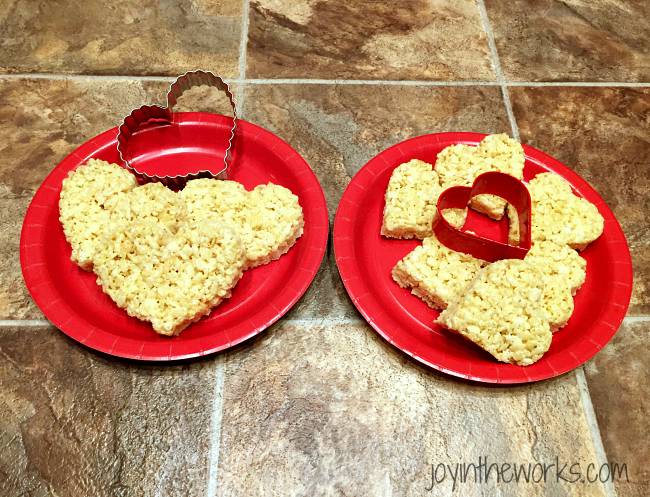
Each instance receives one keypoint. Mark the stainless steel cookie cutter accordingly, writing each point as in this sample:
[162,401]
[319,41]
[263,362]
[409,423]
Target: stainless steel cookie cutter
[146,113]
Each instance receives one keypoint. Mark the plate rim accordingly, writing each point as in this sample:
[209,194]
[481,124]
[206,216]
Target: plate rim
[378,318]
[54,307]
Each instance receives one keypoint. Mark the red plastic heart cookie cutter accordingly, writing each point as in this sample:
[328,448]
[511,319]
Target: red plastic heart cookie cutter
[457,197]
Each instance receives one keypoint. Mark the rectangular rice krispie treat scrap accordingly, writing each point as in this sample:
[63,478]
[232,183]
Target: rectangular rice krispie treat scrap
[410,202]
[500,312]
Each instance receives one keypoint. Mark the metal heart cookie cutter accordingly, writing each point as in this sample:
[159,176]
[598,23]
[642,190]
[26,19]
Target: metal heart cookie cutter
[157,115]
[457,197]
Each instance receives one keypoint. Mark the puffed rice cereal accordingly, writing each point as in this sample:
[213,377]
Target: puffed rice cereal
[500,312]
[168,257]
[511,307]
[153,202]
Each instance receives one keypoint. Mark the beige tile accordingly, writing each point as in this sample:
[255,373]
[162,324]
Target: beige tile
[618,382]
[337,39]
[335,410]
[15,302]
[571,40]
[77,423]
[133,38]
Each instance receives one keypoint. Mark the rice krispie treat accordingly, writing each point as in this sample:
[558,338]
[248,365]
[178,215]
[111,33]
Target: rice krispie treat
[459,165]
[500,312]
[269,218]
[410,202]
[150,202]
[563,272]
[170,280]
[559,215]
[82,205]
[435,273]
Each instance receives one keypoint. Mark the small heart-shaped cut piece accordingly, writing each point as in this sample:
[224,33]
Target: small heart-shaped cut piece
[494,183]
[563,271]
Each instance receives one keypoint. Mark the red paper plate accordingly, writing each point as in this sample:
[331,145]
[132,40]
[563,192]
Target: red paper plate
[365,260]
[75,304]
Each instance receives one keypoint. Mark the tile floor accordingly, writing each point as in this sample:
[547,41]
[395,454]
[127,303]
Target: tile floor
[319,404]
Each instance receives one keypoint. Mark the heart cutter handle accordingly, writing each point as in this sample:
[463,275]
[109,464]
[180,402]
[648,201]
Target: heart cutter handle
[457,197]
[147,113]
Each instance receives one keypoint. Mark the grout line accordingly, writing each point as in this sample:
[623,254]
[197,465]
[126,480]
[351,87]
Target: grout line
[511,115]
[636,319]
[243,46]
[578,83]
[167,79]
[215,428]
[290,81]
[590,414]
[497,69]
[259,81]
[298,81]
[25,322]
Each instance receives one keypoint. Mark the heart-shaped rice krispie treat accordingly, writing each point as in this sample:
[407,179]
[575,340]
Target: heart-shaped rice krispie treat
[560,216]
[500,311]
[459,165]
[435,273]
[563,272]
[410,202]
[269,218]
[170,280]
[82,205]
